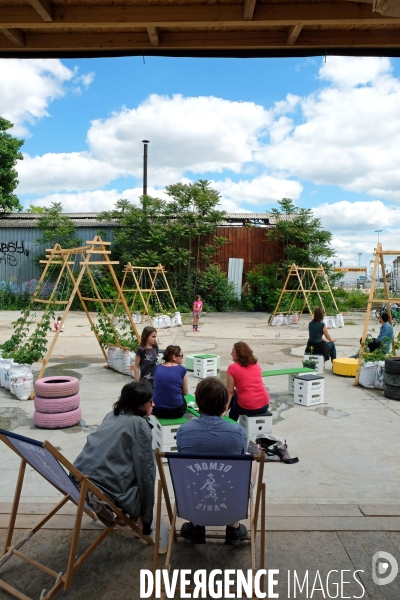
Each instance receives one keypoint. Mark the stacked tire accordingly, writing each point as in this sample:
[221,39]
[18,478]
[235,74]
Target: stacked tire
[391,378]
[57,402]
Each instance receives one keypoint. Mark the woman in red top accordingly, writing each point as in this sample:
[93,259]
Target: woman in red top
[250,398]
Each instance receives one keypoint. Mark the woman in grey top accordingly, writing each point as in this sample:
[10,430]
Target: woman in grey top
[118,457]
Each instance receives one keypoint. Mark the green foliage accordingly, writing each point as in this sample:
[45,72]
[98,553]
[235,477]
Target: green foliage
[262,288]
[116,333]
[9,300]
[301,236]
[350,300]
[170,232]
[35,210]
[26,347]
[9,154]
[56,228]
[215,289]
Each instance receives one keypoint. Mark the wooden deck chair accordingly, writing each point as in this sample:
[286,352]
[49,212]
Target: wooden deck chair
[49,463]
[211,490]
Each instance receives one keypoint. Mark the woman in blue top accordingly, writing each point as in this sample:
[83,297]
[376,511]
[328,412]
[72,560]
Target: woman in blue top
[317,331]
[170,385]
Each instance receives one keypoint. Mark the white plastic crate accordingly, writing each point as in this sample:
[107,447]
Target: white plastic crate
[291,377]
[164,436]
[320,366]
[309,390]
[254,426]
[205,365]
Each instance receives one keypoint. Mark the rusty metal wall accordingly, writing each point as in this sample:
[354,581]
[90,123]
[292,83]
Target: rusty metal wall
[19,251]
[249,243]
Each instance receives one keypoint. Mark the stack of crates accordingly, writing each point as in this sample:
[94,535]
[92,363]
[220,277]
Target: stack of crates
[255,426]
[309,389]
[164,433]
[205,365]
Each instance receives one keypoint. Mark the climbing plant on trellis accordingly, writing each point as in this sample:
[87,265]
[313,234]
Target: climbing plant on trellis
[58,286]
[300,284]
[146,290]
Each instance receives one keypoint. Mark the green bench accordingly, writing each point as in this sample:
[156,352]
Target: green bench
[290,372]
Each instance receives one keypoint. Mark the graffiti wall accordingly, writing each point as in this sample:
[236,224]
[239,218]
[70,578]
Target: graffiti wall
[19,253]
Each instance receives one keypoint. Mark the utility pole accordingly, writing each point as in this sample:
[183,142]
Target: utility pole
[146,143]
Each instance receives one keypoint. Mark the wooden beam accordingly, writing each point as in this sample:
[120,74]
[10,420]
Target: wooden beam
[293,34]
[224,15]
[153,36]
[320,39]
[248,9]
[15,36]
[44,8]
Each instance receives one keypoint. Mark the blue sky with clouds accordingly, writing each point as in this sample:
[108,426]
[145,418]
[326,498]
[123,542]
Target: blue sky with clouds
[325,134]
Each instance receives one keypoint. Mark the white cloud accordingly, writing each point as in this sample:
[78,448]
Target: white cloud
[64,171]
[349,133]
[358,216]
[259,191]
[199,134]
[94,201]
[29,86]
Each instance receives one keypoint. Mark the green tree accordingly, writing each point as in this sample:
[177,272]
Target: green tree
[304,242]
[170,232]
[56,228]
[301,236]
[9,154]
[35,210]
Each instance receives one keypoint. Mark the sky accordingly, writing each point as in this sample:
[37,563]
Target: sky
[324,133]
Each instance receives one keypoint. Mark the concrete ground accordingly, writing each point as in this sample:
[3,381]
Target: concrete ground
[332,510]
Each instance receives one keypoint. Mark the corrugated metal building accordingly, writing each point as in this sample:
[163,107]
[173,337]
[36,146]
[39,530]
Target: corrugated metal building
[19,250]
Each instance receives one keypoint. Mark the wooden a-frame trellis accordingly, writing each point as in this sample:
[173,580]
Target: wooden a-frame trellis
[145,283]
[61,257]
[379,261]
[316,275]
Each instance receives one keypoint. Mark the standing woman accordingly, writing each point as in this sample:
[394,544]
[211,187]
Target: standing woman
[146,356]
[251,397]
[317,331]
[170,385]
[197,308]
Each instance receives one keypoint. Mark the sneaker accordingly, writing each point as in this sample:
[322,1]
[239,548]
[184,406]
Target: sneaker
[235,535]
[195,533]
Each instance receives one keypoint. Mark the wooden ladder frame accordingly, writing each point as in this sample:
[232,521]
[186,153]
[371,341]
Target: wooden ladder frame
[62,256]
[300,273]
[379,261]
[137,274]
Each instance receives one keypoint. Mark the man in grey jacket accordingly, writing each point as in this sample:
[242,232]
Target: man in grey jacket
[118,457]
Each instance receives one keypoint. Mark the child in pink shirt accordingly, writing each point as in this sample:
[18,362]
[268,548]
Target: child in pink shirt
[197,308]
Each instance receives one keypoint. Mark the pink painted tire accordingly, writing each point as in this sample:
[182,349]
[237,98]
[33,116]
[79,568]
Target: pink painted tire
[57,405]
[57,420]
[60,386]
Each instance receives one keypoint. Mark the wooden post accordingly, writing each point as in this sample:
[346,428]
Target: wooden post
[378,251]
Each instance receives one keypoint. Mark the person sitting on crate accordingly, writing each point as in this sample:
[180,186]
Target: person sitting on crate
[211,434]
[118,458]
[247,393]
[384,338]
[170,385]
[319,340]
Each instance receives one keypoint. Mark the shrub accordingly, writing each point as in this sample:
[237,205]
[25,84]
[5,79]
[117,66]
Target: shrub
[262,288]
[215,289]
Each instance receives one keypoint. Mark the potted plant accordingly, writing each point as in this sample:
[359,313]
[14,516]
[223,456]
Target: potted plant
[311,362]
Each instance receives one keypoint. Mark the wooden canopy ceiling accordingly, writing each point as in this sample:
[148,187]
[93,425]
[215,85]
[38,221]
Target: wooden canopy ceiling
[79,28]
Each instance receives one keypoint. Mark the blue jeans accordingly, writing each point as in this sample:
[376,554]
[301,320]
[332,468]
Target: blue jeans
[332,350]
